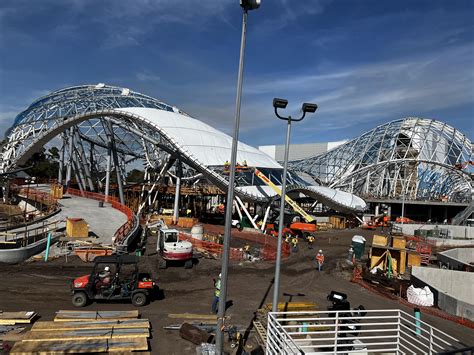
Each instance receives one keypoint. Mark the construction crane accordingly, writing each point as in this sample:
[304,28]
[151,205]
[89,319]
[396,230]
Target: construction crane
[288,200]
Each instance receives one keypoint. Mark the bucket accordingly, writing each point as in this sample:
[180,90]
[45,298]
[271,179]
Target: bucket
[358,244]
[197,231]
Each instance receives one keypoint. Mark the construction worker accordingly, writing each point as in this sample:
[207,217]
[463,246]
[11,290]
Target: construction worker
[287,239]
[294,243]
[320,260]
[246,251]
[310,240]
[245,163]
[217,294]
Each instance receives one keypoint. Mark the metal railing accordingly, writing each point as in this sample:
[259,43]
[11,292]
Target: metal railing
[344,332]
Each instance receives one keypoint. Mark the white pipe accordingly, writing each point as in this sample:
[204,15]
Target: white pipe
[245,211]
[267,212]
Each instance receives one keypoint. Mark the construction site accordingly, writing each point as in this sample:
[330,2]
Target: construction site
[93,261]
[131,224]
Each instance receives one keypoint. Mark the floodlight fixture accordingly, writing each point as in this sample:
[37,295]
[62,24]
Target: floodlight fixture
[309,108]
[279,103]
[250,4]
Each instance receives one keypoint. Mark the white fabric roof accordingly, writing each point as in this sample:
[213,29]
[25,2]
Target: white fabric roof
[207,144]
[336,199]
[212,147]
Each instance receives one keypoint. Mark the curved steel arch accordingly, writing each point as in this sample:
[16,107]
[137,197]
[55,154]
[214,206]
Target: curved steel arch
[141,127]
[418,158]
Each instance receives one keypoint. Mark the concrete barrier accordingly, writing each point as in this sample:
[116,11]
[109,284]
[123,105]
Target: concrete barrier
[453,289]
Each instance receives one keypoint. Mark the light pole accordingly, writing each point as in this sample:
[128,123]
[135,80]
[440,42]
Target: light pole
[306,108]
[246,6]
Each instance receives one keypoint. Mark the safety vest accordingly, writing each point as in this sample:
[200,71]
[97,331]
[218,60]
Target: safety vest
[217,292]
[294,241]
[320,258]
[310,239]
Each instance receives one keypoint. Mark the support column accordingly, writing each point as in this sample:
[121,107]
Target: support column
[85,163]
[107,172]
[61,160]
[70,152]
[377,210]
[177,191]
[116,163]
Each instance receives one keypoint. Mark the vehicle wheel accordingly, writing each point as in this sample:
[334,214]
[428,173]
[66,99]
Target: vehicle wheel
[139,299]
[239,227]
[79,299]
[188,264]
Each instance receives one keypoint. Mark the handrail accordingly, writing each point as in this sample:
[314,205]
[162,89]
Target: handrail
[342,332]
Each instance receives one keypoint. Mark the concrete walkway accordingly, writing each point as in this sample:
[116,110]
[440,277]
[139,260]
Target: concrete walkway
[103,221]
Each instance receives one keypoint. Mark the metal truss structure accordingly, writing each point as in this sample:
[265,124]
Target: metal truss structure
[102,129]
[412,158]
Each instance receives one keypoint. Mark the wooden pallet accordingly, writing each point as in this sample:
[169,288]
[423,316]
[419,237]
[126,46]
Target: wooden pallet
[79,346]
[261,333]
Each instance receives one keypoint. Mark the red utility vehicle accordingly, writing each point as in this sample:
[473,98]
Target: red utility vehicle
[114,277]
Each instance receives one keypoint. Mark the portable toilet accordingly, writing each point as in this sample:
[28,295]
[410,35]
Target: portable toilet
[358,244]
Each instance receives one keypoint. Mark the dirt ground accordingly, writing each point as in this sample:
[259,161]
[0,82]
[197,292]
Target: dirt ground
[45,288]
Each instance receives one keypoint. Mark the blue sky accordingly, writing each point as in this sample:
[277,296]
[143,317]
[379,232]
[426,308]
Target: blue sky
[364,62]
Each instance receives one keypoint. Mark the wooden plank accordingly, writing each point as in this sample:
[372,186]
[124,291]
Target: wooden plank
[59,347]
[79,346]
[76,334]
[192,316]
[97,324]
[18,317]
[66,316]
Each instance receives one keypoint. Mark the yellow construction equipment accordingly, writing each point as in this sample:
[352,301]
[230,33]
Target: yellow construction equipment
[288,200]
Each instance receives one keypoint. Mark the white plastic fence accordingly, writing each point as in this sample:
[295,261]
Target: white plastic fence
[337,332]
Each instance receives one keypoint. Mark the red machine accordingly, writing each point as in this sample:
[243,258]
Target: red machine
[114,277]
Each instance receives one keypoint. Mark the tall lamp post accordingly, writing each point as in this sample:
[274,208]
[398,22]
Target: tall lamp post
[246,6]
[306,108]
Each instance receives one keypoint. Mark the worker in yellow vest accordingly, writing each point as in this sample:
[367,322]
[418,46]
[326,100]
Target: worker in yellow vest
[294,243]
[217,294]
[310,240]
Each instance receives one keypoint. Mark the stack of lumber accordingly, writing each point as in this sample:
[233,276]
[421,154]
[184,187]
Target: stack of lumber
[12,318]
[86,332]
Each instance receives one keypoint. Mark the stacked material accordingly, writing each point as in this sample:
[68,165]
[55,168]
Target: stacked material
[12,318]
[86,332]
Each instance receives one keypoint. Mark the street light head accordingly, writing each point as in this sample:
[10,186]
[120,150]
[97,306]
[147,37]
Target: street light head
[309,108]
[280,103]
[250,4]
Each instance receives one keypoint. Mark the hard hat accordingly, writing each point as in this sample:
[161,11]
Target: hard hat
[106,268]
[320,251]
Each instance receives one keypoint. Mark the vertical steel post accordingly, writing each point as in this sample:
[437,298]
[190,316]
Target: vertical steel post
[61,160]
[107,171]
[276,286]
[69,164]
[230,196]
[116,163]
